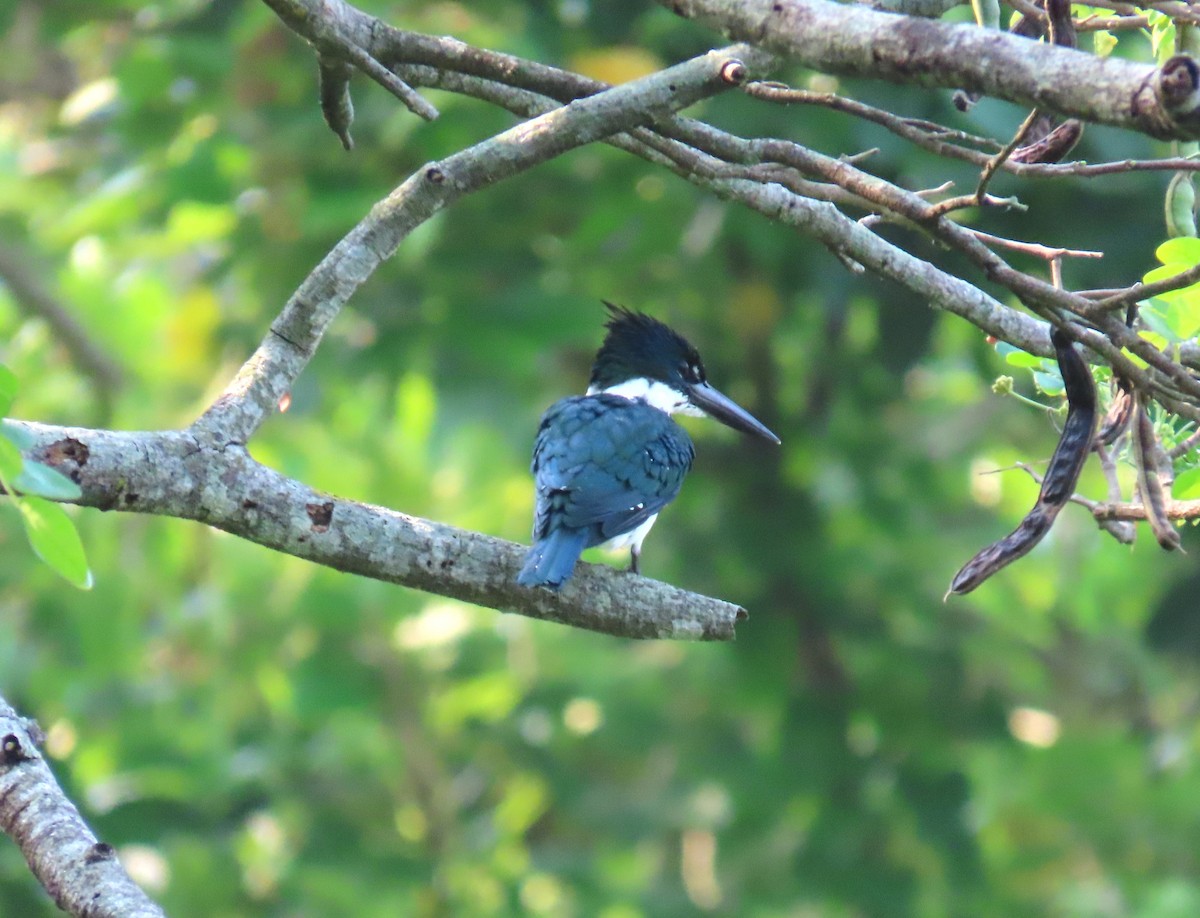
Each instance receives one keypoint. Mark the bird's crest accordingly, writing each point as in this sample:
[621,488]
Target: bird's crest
[638,345]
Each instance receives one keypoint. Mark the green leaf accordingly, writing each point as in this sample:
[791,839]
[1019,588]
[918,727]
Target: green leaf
[1187,485]
[1167,270]
[22,438]
[1017,357]
[1183,318]
[1050,383]
[53,536]
[1162,36]
[8,388]
[1023,359]
[1182,249]
[1103,42]
[1175,316]
[1157,340]
[10,459]
[44,481]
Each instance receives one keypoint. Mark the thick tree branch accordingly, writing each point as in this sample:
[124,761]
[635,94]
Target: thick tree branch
[853,41]
[180,474]
[81,873]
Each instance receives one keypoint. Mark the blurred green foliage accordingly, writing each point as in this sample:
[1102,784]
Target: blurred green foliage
[262,737]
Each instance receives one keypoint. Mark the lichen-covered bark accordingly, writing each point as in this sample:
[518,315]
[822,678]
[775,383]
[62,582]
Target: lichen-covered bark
[183,475]
[79,871]
[850,40]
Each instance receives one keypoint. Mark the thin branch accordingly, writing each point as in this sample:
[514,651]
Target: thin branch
[1124,531]
[965,201]
[1184,447]
[1095,170]
[709,165]
[947,142]
[267,376]
[392,83]
[80,872]
[1036,249]
[1140,291]
[333,43]
[910,128]
[1006,151]
[1096,23]
[33,296]
[1175,510]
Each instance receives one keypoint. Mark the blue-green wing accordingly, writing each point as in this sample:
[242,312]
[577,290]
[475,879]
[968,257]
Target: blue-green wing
[605,465]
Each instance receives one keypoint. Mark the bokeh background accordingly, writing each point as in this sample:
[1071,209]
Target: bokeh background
[262,737]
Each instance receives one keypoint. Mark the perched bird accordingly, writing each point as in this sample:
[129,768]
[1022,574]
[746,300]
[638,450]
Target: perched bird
[607,462]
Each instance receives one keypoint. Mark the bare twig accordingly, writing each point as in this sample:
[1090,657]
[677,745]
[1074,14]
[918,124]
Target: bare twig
[34,297]
[1140,291]
[950,205]
[1183,510]
[392,83]
[1124,531]
[948,142]
[786,95]
[1005,152]
[1184,447]
[254,393]
[1036,249]
[1096,23]
[333,42]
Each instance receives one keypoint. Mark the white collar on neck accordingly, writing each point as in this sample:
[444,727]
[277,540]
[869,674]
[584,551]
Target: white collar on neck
[654,393]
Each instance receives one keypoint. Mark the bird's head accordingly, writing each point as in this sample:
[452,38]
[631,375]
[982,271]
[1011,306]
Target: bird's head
[643,359]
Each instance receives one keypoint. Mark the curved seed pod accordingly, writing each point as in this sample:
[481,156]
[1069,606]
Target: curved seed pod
[1061,25]
[1045,142]
[1053,146]
[1075,442]
[333,78]
[1058,485]
[1179,206]
[1150,486]
[1003,552]
[1116,420]
[1028,27]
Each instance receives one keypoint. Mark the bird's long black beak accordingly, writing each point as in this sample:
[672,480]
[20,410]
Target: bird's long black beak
[722,408]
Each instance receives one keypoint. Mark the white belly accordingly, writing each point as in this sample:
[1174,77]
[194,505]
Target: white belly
[632,539]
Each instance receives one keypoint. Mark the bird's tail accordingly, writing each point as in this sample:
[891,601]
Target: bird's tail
[552,559]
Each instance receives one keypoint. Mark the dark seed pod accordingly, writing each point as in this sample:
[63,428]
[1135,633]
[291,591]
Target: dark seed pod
[1053,147]
[1045,142]
[1061,25]
[1116,420]
[1145,453]
[1075,442]
[1058,485]
[336,106]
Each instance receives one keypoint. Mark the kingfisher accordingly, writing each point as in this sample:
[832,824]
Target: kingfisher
[607,462]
